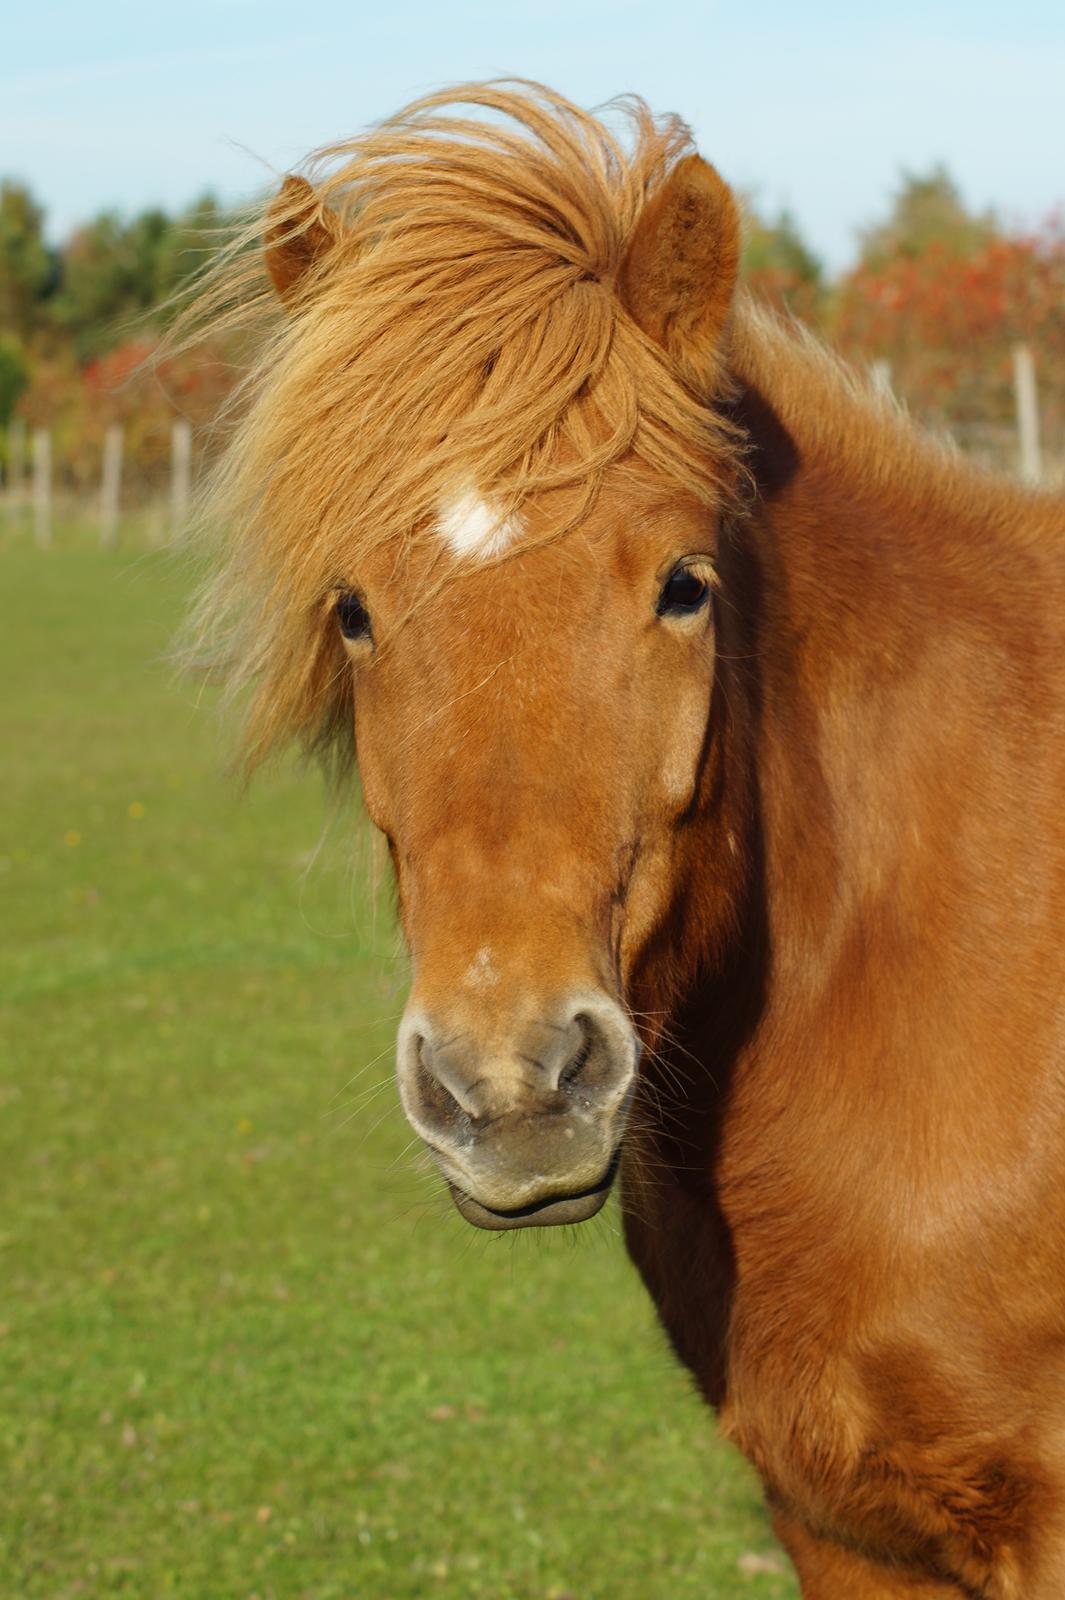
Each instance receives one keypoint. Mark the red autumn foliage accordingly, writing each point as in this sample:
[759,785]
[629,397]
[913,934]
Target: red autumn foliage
[946,322]
[136,386]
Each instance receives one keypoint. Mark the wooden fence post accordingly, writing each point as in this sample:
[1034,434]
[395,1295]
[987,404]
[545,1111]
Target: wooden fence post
[180,477]
[1027,413]
[111,486]
[42,487]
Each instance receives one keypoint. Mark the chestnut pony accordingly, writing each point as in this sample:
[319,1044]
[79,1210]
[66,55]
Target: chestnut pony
[714,719]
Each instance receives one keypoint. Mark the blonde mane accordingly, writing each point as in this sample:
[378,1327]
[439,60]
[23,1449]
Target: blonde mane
[464,328]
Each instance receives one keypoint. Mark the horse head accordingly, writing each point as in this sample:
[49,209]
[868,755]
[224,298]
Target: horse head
[529,335]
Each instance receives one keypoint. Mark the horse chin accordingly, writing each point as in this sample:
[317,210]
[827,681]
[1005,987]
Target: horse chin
[551,1212]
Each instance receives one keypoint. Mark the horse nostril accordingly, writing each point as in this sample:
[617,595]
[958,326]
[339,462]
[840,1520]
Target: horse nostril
[597,1067]
[435,1095]
[570,1075]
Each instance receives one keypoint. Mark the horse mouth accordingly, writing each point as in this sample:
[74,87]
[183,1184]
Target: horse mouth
[552,1212]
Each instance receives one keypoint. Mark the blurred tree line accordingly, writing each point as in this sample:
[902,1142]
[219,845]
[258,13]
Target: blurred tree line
[938,291]
[80,326]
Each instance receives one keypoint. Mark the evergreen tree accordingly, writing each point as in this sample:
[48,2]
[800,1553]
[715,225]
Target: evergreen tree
[27,267]
[926,210]
[779,266]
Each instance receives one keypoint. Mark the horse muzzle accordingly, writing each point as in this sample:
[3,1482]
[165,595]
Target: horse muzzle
[526,1127]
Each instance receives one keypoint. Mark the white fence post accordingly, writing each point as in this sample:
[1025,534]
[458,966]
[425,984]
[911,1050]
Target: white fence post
[16,461]
[180,477]
[881,371]
[111,486]
[1027,413]
[42,487]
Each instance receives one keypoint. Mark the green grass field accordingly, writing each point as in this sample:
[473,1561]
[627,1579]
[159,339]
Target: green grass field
[246,1348]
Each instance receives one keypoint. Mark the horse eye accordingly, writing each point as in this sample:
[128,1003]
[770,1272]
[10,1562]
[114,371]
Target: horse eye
[682,593]
[352,615]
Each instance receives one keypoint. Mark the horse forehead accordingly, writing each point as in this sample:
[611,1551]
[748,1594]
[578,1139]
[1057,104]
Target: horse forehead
[474,527]
[511,577]
[547,626]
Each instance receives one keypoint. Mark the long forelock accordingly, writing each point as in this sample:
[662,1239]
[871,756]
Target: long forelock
[464,337]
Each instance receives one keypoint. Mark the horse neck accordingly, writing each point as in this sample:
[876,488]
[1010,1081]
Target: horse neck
[889,660]
[893,600]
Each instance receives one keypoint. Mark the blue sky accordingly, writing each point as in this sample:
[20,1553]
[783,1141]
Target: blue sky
[817,107]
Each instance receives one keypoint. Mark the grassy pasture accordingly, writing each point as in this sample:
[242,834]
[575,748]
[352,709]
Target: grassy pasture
[246,1348]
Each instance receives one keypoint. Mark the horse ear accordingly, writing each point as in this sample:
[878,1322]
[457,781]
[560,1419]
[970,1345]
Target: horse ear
[679,273]
[299,234]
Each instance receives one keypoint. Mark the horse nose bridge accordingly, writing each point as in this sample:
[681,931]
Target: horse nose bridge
[507,897]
